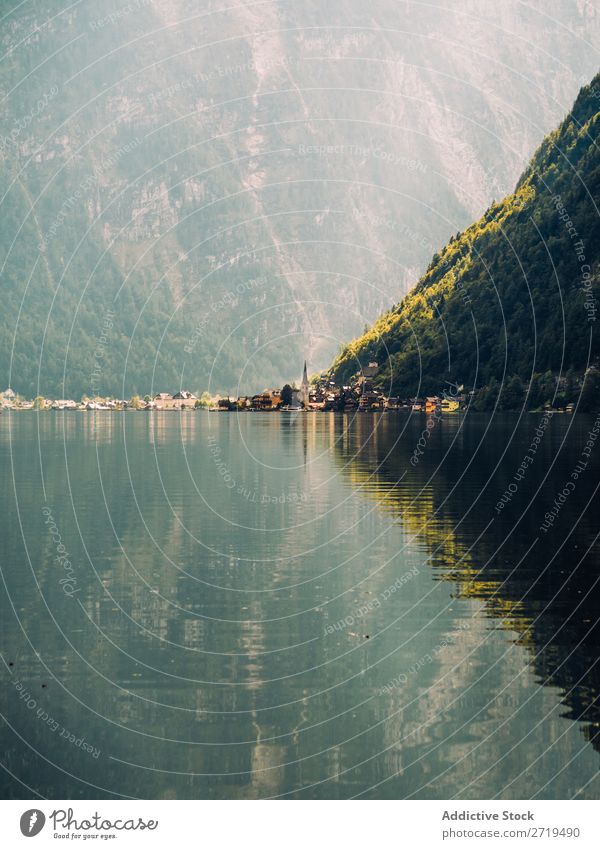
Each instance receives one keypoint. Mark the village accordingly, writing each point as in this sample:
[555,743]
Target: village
[320,394]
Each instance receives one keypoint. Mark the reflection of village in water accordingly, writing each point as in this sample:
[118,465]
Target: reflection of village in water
[204,618]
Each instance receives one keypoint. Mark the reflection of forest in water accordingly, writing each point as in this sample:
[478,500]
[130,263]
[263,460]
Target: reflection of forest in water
[544,586]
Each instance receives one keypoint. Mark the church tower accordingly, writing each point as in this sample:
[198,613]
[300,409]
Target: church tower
[304,387]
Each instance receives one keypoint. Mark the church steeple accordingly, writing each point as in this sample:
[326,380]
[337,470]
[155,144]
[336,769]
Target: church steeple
[304,387]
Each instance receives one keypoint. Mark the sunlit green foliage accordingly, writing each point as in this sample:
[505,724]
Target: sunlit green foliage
[515,294]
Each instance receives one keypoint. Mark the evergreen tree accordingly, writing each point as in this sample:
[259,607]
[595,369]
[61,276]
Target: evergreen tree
[287,395]
[513,393]
[590,393]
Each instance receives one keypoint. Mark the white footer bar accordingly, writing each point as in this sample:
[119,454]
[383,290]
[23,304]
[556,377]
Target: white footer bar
[291,824]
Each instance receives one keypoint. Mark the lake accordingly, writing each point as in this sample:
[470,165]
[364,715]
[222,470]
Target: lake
[204,605]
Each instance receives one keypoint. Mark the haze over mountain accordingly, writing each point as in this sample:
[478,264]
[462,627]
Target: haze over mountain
[203,197]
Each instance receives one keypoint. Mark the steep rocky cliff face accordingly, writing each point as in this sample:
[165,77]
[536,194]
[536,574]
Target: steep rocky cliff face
[203,195]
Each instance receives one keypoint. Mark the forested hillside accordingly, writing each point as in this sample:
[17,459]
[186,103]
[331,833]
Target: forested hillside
[514,297]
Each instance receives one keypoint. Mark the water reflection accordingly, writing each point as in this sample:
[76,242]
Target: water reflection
[541,585]
[287,606]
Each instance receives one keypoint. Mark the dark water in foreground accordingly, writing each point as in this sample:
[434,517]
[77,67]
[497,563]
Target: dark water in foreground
[192,594]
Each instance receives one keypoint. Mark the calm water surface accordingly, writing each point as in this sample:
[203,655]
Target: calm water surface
[213,605]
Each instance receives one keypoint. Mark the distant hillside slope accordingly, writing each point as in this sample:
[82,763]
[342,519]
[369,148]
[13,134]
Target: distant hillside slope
[513,295]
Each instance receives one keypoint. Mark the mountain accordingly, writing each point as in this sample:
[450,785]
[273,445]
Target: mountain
[204,197]
[514,297]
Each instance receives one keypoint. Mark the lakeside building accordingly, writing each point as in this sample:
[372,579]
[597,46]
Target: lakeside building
[8,398]
[262,401]
[432,404]
[182,400]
